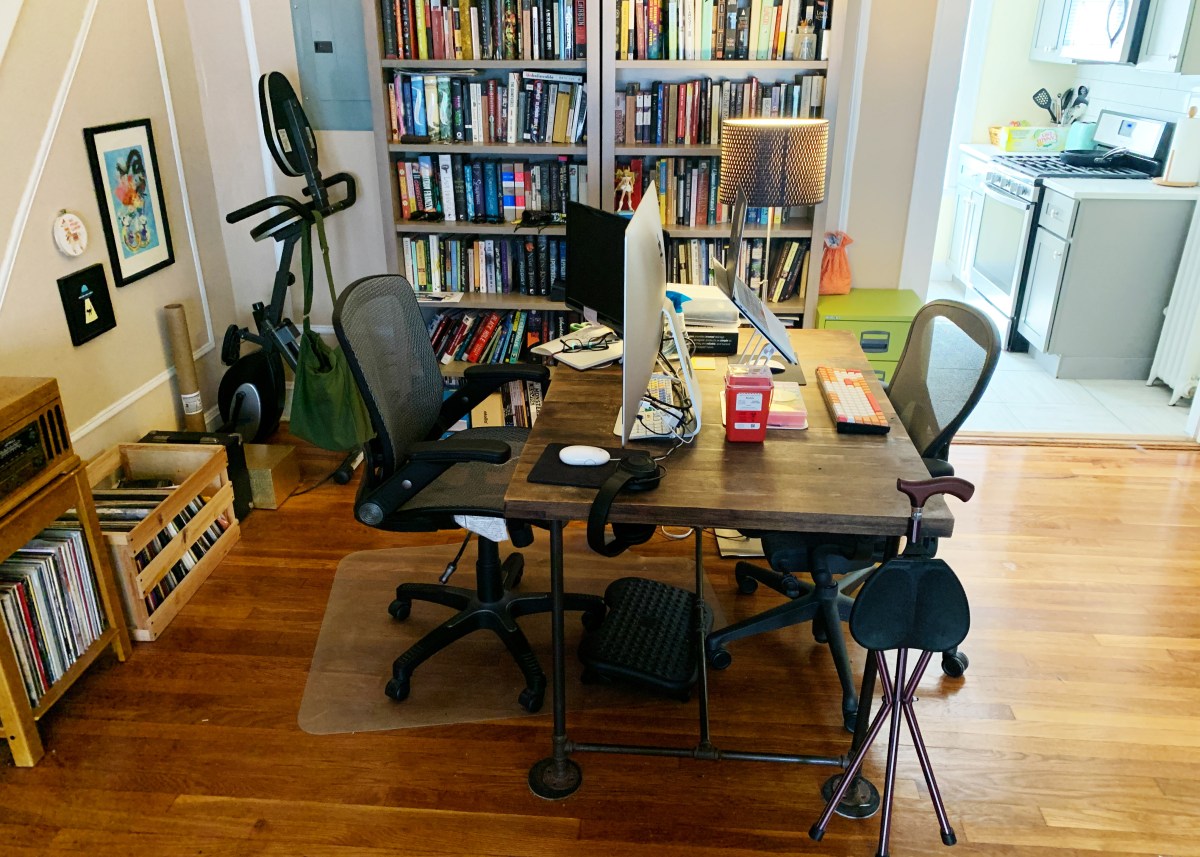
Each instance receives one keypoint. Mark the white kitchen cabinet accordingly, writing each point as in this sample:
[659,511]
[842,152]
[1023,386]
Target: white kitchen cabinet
[1046,264]
[968,207]
[1170,42]
[1093,299]
[1048,32]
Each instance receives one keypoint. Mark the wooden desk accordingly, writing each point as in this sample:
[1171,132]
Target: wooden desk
[805,481]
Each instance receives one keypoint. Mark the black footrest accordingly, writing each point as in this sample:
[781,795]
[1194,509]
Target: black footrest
[647,638]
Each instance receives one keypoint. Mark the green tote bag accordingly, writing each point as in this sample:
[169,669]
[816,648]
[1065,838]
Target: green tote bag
[327,409]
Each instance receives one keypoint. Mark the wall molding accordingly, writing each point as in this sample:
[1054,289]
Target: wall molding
[25,206]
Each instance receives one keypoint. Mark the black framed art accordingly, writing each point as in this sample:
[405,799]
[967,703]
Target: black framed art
[132,209]
[87,304]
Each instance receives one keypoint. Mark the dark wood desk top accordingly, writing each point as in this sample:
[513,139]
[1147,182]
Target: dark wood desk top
[814,480]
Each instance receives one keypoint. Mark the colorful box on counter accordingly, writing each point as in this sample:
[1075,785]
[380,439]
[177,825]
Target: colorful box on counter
[1029,138]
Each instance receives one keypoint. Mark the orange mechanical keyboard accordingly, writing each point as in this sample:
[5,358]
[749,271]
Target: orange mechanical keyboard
[850,401]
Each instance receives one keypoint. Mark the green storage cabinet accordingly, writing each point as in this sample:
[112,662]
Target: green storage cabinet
[880,318]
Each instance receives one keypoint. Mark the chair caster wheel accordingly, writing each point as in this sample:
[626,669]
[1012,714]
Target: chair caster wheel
[397,689]
[531,700]
[819,633]
[399,610]
[955,665]
[791,587]
[593,619]
[719,659]
[746,584]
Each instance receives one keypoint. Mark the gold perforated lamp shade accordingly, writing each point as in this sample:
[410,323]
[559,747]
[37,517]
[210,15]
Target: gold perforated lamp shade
[775,162]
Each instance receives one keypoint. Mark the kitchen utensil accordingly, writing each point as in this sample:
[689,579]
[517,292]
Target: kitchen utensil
[1094,158]
[1081,93]
[1064,104]
[1042,98]
[1075,113]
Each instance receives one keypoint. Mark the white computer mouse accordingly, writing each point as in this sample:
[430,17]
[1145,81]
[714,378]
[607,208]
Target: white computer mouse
[775,366]
[583,456]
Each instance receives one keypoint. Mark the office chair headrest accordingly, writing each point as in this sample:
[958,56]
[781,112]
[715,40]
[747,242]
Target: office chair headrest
[911,603]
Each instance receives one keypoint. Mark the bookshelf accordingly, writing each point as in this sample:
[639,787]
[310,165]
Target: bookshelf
[18,528]
[603,73]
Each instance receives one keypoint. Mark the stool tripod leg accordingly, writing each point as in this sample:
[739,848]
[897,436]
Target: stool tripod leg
[817,831]
[889,778]
[910,717]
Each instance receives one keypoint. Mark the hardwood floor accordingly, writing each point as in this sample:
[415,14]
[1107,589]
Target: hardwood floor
[1074,731]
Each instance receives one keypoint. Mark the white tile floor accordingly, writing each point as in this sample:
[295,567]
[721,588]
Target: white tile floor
[1022,397]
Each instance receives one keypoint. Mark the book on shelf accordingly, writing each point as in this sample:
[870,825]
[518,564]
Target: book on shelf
[519,107]
[493,336]
[525,264]
[50,605]
[690,112]
[484,29]
[465,189]
[689,260]
[706,30]
[516,403]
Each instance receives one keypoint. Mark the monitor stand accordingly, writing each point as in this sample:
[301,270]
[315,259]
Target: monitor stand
[690,426]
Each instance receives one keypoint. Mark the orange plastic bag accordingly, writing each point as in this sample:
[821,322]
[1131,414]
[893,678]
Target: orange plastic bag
[835,266]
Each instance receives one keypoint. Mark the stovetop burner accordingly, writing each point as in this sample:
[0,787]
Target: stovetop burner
[1051,166]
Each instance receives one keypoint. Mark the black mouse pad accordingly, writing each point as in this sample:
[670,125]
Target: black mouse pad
[548,470]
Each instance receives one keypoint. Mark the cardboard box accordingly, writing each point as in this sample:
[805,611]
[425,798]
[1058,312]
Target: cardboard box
[274,473]
[1029,138]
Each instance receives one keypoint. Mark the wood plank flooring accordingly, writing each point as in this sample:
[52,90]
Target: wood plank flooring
[1075,730]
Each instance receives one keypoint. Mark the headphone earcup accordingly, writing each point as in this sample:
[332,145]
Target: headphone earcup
[636,472]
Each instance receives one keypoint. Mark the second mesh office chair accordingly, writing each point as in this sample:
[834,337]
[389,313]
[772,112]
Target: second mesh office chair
[413,481]
[948,359]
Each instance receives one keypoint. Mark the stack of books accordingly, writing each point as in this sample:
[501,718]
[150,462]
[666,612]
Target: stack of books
[690,113]
[723,29]
[689,260]
[517,403]
[524,107]
[484,29]
[687,192]
[528,265]
[789,269]
[482,190]
[493,336]
[51,608]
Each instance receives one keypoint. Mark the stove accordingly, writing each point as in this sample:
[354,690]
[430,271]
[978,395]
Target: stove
[1052,167]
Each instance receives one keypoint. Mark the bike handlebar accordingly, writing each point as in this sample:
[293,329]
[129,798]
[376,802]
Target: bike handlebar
[294,208]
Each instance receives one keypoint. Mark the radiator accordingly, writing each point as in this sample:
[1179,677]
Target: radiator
[1177,358]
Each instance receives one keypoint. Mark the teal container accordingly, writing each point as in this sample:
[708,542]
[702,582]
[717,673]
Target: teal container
[1081,136]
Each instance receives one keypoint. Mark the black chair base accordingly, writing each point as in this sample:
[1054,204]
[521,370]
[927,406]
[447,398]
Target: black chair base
[494,605]
[825,602]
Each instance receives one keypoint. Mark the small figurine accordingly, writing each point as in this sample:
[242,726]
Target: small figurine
[624,191]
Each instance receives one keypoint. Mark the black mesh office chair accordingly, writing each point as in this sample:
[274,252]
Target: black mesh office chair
[415,482]
[947,361]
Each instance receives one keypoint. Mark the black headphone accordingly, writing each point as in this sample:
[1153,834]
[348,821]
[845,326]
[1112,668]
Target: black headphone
[635,472]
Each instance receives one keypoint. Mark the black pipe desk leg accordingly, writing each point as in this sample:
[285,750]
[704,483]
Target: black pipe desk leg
[705,739]
[861,798]
[557,776]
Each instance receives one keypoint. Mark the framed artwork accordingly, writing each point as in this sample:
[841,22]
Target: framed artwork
[125,172]
[87,304]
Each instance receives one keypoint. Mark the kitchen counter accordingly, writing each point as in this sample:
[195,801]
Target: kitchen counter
[980,151]
[1130,189]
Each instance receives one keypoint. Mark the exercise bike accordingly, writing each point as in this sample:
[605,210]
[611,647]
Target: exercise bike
[252,392]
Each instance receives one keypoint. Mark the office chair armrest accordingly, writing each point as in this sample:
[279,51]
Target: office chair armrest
[479,382]
[454,450]
[938,468]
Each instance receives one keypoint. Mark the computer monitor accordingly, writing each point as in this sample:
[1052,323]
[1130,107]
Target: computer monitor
[596,254]
[645,291]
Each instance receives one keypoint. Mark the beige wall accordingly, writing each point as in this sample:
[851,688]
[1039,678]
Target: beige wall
[895,68]
[119,385]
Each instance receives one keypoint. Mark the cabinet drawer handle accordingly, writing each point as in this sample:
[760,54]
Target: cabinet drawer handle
[1058,254]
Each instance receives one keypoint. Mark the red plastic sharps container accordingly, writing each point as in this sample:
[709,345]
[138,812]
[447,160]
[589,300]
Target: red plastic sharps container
[747,403]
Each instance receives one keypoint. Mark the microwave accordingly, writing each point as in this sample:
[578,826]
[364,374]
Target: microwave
[1103,31]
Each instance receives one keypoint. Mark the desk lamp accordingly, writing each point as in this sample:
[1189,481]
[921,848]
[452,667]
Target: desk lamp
[775,162]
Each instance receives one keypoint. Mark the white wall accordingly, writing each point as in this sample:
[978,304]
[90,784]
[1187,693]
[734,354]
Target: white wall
[59,77]
[1146,93]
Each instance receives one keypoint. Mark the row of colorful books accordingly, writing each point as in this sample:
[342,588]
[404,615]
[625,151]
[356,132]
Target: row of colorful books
[487,190]
[687,191]
[517,403]
[689,260]
[523,107]
[484,29]
[51,607]
[494,336]
[690,112]
[528,265]
[723,29]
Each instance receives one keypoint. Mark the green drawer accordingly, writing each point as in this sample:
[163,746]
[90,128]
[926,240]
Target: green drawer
[879,340]
[884,369]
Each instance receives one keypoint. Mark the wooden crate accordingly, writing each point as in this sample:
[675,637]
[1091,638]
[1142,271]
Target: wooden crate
[198,470]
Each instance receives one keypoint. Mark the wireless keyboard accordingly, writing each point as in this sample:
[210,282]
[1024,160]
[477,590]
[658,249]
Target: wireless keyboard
[850,402]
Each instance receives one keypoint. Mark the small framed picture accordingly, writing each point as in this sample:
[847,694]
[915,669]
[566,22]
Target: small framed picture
[87,304]
[132,210]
